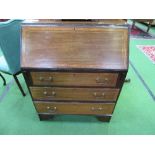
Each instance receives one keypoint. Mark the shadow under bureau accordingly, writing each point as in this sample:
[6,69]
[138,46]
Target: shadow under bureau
[74,68]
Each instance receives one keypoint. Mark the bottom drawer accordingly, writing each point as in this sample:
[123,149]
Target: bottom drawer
[74,108]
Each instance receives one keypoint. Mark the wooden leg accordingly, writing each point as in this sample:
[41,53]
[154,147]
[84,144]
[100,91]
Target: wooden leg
[104,118]
[43,117]
[4,81]
[19,85]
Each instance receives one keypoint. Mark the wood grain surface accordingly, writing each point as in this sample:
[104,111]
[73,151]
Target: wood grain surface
[74,79]
[82,94]
[73,108]
[72,47]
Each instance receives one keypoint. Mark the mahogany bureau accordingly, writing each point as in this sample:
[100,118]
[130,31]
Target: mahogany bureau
[74,68]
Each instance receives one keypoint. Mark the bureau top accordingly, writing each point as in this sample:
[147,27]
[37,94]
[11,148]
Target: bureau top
[76,21]
[74,46]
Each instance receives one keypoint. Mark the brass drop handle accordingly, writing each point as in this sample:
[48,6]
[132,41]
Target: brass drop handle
[45,92]
[51,109]
[49,79]
[101,81]
[48,108]
[97,108]
[101,95]
[52,94]
[41,78]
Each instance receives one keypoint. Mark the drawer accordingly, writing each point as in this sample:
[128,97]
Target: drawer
[74,79]
[74,108]
[80,94]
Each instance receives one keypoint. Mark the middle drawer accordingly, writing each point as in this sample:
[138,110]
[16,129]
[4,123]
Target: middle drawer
[77,94]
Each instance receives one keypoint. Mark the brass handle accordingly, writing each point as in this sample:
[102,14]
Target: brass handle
[41,78]
[101,81]
[52,94]
[45,92]
[97,108]
[49,79]
[99,95]
[51,109]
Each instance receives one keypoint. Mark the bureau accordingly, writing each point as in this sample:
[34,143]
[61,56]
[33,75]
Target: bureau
[74,68]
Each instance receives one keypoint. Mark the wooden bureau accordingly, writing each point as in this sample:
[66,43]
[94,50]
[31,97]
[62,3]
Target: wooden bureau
[74,67]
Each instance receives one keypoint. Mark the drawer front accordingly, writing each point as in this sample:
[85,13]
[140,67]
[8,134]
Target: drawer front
[74,108]
[80,94]
[74,79]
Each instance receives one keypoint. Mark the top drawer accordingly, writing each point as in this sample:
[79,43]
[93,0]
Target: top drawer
[74,79]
